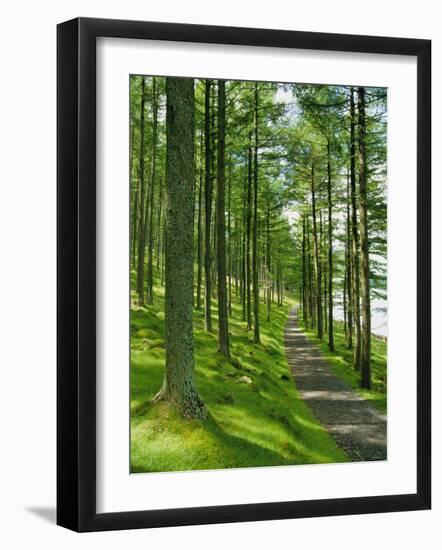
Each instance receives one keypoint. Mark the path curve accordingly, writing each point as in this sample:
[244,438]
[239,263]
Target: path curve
[356,426]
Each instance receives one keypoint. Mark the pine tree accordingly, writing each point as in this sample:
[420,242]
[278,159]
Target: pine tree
[178,385]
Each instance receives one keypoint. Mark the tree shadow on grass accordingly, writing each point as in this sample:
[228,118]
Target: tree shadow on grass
[195,445]
[258,455]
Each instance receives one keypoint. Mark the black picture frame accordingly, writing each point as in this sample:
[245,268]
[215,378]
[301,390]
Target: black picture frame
[76,274]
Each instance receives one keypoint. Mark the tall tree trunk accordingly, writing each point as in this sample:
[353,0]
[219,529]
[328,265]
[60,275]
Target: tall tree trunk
[207,209]
[159,221]
[163,254]
[135,224]
[256,332]
[318,274]
[268,258]
[311,302]
[278,288]
[355,239]
[152,191]
[199,277]
[178,386]
[223,322]
[365,261]
[304,275]
[331,342]
[344,301]
[214,189]
[244,249]
[323,273]
[229,236]
[133,192]
[349,274]
[141,228]
[237,258]
[248,241]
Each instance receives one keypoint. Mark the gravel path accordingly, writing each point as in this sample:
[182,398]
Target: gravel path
[356,426]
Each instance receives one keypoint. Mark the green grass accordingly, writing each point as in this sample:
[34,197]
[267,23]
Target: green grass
[256,417]
[341,361]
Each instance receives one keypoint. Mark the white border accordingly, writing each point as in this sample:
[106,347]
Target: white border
[116,489]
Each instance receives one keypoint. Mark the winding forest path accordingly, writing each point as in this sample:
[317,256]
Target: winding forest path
[358,428]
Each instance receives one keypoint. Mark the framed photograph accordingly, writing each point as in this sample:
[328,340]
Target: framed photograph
[243,274]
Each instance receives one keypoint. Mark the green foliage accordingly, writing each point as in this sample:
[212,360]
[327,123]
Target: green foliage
[278,144]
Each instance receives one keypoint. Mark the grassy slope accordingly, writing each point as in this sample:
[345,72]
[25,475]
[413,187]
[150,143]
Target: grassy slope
[341,362]
[254,421]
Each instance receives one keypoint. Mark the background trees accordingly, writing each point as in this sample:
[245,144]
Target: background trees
[288,197]
[337,154]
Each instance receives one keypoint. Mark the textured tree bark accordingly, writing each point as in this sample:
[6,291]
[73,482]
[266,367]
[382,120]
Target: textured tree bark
[311,304]
[256,332]
[163,255]
[200,231]
[244,249]
[213,161]
[141,228]
[365,261]
[248,241]
[331,341]
[223,323]
[237,257]
[135,225]
[134,192]
[348,256]
[323,263]
[304,275]
[149,287]
[344,300]
[269,265]
[355,239]
[178,386]
[317,263]
[229,237]
[159,222]
[208,210]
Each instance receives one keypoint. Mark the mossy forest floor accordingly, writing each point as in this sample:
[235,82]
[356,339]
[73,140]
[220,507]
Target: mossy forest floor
[256,415]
